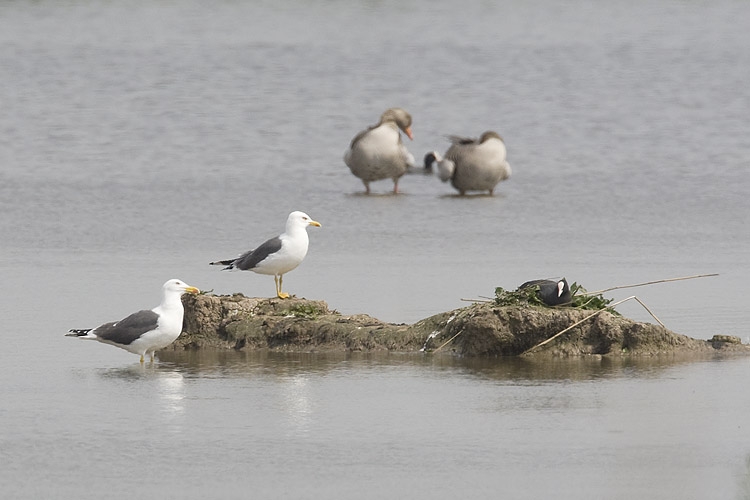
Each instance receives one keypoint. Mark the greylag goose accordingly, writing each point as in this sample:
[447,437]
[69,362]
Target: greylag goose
[378,152]
[475,165]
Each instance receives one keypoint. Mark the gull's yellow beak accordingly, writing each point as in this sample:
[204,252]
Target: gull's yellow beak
[314,223]
[192,289]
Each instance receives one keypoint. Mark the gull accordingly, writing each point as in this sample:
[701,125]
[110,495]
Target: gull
[279,255]
[145,331]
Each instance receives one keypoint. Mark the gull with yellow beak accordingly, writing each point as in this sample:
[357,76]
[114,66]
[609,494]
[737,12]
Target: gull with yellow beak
[278,255]
[145,331]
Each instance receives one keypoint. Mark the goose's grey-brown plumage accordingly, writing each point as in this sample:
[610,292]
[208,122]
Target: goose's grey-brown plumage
[378,152]
[475,164]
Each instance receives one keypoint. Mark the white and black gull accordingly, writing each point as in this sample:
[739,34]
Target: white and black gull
[145,331]
[474,164]
[279,255]
[378,152]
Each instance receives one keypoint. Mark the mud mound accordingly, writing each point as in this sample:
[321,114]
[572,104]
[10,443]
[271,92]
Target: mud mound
[239,322]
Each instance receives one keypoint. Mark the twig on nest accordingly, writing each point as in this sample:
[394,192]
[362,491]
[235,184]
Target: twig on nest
[652,283]
[482,300]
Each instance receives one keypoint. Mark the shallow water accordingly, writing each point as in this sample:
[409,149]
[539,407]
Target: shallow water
[322,426]
[140,141]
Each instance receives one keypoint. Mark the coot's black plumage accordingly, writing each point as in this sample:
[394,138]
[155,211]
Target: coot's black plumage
[551,292]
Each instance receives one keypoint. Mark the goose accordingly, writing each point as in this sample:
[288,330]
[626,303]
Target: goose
[378,152]
[475,165]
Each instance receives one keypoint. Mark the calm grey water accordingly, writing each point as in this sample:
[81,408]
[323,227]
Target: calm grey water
[141,140]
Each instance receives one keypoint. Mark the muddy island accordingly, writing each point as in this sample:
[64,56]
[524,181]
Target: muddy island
[481,329]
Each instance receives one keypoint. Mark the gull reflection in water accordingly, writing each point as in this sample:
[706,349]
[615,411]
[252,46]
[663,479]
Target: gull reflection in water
[171,392]
[165,388]
[296,403]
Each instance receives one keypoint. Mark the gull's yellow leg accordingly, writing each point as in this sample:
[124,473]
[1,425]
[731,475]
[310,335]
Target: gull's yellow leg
[279,293]
[141,358]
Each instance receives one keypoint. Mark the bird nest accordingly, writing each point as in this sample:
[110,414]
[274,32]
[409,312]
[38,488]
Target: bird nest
[529,296]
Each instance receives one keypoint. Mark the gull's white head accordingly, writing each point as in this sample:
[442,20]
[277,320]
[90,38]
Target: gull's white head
[178,286]
[300,219]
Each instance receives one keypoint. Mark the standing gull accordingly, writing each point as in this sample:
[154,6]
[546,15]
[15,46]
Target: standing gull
[378,152]
[145,331]
[278,255]
[475,165]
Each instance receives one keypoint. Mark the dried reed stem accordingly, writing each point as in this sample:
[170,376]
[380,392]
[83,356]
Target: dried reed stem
[651,283]
[448,341]
[544,342]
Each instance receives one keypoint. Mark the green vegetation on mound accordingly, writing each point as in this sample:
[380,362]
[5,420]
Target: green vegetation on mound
[581,299]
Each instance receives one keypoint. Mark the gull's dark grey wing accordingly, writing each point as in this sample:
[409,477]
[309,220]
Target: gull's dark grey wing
[250,259]
[126,331]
